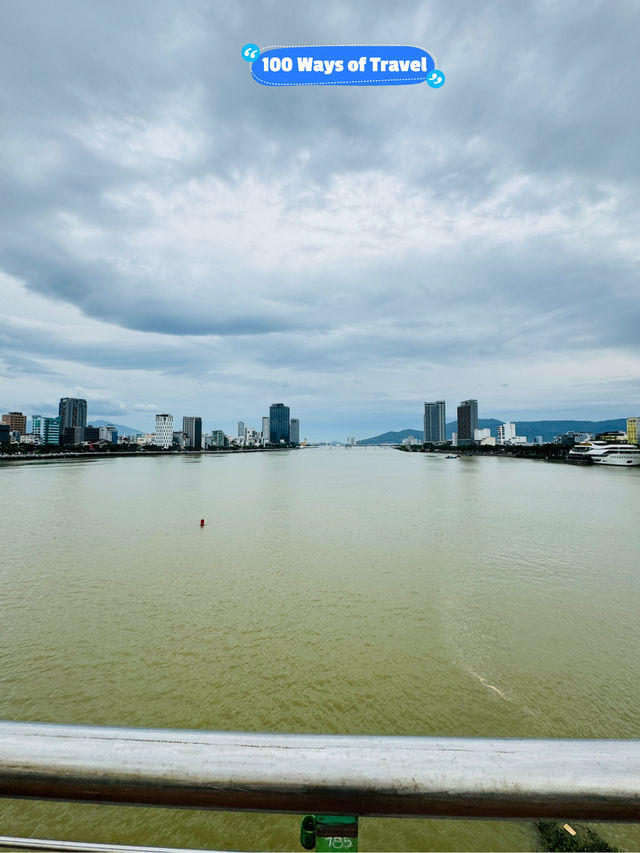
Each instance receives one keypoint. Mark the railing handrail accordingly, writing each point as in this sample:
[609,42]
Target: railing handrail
[9,842]
[323,774]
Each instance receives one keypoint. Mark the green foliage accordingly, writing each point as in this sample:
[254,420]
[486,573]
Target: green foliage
[553,836]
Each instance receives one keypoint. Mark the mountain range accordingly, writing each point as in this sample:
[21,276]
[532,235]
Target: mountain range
[530,429]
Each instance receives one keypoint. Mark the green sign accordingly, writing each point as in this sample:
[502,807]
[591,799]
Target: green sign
[329,832]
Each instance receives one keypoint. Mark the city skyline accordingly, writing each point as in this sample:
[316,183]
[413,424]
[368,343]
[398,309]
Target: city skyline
[180,239]
[433,412]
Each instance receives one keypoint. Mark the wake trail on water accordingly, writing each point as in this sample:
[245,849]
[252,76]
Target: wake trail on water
[489,686]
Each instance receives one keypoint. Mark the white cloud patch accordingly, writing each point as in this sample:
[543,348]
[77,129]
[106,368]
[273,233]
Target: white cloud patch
[178,236]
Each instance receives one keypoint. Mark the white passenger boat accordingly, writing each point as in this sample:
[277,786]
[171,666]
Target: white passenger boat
[605,453]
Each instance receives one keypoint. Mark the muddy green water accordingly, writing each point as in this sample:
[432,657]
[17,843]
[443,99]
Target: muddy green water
[362,591]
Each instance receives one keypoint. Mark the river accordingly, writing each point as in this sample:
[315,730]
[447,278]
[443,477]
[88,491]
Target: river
[342,591]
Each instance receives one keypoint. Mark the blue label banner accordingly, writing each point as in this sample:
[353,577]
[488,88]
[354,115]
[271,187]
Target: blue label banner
[343,65]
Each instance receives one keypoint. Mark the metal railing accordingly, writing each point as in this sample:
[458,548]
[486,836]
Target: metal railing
[54,846]
[327,774]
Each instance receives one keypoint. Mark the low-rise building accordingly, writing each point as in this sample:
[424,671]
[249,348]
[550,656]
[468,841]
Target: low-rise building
[72,436]
[252,438]
[31,439]
[613,435]
[109,433]
[410,440]
[573,436]
[179,440]
[488,441]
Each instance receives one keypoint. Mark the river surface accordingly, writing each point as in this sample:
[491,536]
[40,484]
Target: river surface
[363,591]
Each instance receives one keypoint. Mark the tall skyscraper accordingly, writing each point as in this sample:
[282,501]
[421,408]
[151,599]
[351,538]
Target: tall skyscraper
[72,413]
[294,431]
[242,430]
[192,428]
[467,420]
[435,421]
[164,431]
[265,428]
[279,426]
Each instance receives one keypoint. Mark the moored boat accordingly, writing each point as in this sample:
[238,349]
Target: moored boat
[605,453]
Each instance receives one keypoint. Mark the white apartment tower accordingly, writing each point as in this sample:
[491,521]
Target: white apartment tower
[506,432]
[164,431]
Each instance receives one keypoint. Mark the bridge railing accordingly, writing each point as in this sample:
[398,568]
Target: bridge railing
[596,780]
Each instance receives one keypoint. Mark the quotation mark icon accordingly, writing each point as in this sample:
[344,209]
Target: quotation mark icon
[250,52]
[435,79]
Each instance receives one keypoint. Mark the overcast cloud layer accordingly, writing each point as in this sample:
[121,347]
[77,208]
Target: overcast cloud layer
[175,237]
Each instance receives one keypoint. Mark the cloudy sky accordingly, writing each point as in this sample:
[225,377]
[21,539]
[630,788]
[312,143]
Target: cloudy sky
[175,237]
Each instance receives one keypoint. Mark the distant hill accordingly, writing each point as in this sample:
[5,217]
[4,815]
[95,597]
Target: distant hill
[122,430]
[549,429]
[530,429]
[393,437]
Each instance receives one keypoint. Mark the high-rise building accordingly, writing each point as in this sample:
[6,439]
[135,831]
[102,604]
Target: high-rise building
[47,428]
[72,413]
[5,433]
[633,430]
[467,420]
[217,438]
[242,430]
[164,431]
[435,422]
[294,431]
[17,421]
[265,429]
[279,426]
[506,432]
[192,428]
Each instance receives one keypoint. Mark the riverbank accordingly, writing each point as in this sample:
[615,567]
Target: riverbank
[546,452]
[101,454]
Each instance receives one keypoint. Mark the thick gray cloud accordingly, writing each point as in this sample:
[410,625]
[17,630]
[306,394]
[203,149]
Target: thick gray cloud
[174,234]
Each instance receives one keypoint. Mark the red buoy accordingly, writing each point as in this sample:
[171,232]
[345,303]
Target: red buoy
[202,522]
